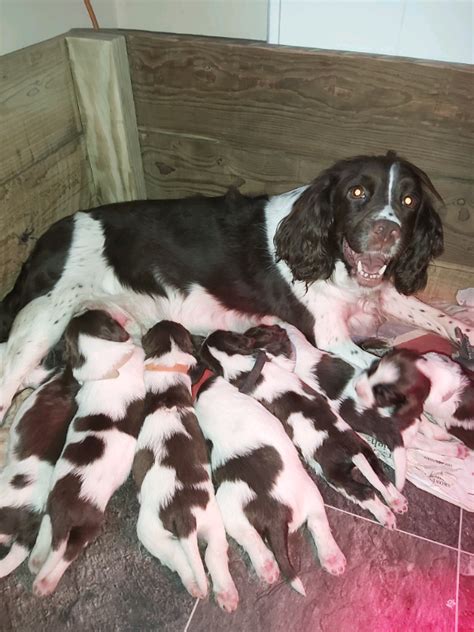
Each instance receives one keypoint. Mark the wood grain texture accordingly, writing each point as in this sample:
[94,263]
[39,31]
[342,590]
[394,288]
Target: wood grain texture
[177,166]
[38,111]
[31,201]
[216,112]
[101,73]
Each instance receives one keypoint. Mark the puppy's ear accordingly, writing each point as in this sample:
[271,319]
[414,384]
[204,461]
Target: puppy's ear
[304,239]
[72,356]
[410,271]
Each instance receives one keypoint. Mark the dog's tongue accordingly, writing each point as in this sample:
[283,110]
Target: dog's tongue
[372,262]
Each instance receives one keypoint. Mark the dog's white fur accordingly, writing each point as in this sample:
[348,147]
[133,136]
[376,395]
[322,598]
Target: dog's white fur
[37,471]
[159,486]
[101,478]
[236,425]
[279,381]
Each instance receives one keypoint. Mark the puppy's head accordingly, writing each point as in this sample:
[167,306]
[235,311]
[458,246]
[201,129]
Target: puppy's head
[395,382]
[96,346]
[228,353]
[168,343]
[274,340]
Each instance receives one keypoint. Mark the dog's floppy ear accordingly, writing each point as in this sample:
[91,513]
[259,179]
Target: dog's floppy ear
[410,271]
[388,395]
[304,239]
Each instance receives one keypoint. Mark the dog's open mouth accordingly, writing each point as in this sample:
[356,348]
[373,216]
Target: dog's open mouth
[368,268]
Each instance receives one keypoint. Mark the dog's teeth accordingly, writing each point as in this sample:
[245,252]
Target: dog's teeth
[359,266]
[382,270]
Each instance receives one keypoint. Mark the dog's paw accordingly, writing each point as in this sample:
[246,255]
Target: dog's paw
[269,571]
[228,599]
[335,563]
[462,451]
[194,590]
[399,504]
[43,587]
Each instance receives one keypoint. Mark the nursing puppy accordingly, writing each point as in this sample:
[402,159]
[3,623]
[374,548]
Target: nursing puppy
[410,382]
[325,441]
[262,488]
[171,469]
[336,379]
[36,440]
[100,442]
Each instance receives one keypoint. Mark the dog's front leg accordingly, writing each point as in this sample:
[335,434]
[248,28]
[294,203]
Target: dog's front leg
[411,310]
[331,330]
[37,327]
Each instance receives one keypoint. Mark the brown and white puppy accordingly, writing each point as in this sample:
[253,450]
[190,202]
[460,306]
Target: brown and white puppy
[36,440]
[410,383]
[100,443]
[325,441]
[262,489]
[172,471]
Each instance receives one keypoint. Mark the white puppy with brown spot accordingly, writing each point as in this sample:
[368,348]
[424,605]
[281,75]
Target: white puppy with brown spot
[172,471]
[263,491]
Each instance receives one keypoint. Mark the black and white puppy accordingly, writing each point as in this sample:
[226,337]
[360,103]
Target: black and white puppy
[262,488]
[100,442]
[325,441]
[36,440]
[410,382]
[358,238]
[172,471]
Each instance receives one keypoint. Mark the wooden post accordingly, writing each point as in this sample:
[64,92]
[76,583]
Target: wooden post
[100,69]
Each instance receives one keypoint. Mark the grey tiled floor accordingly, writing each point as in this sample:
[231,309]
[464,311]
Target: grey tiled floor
[417,578]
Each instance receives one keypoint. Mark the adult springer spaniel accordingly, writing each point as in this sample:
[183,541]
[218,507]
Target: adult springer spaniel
[355,241]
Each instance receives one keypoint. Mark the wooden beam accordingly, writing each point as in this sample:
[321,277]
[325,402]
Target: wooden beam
[101,73]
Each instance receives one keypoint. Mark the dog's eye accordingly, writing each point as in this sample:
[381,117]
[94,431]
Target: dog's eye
[409,201]
[357,192]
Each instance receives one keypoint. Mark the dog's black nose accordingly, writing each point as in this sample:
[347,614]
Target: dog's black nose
[384,233]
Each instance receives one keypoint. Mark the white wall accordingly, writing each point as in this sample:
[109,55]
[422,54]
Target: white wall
[226,18]
[25,22]
[439,29]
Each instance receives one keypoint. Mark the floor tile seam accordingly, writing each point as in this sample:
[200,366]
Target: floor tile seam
[414,535]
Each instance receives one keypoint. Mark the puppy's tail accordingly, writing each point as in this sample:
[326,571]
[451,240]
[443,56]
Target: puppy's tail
[278,539]
[15,556]
[191,549]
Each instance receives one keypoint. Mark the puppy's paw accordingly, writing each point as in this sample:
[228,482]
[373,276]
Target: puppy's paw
[194,590]
[462,451]
[335,563]
[228,599]
[399,504]
[43,587]
[269,571]
[389,521]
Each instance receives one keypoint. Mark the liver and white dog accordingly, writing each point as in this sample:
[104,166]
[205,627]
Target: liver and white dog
[36,441]
[325,441]
[172,471]
[262,488]
[409,382]
[357,240]
[100,443]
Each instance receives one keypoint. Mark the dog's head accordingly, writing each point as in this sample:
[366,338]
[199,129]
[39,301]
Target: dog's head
[395,381]
[96,346]
[228,353]
[377,214]
[169,343]
[274,340]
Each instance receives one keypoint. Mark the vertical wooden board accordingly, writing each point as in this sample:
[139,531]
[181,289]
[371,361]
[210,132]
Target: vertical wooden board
[38,109]
[444,281]
[101,73]
[34,199]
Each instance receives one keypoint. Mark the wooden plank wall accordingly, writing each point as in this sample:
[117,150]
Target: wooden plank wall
[213,113]
[44,170]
